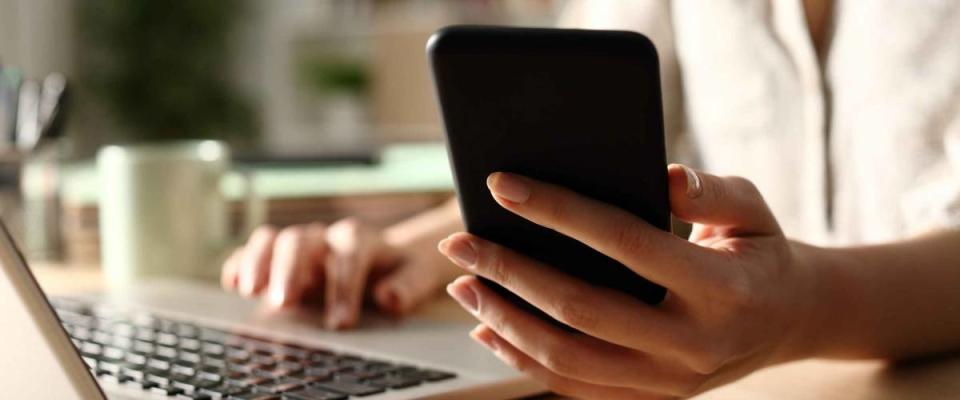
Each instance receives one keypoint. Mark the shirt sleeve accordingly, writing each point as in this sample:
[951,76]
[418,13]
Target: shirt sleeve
[654,19]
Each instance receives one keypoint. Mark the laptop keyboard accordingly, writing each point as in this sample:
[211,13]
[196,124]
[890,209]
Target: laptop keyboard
[188,361]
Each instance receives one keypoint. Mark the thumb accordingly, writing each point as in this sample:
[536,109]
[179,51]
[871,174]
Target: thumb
[731,202]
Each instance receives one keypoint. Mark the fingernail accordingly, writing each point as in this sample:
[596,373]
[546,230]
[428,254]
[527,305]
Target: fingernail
[508,187]
[338,316]
[460,252]
[487,341]
[464,295]
[391,299]
[246,288]
[277,297]
[694,184]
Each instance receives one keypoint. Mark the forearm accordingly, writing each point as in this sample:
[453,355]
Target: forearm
[895,300]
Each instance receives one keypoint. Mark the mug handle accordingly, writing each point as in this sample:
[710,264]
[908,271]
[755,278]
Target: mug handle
[254,207]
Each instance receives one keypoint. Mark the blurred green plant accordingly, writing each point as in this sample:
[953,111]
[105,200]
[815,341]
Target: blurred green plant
[334,75]
[162,68]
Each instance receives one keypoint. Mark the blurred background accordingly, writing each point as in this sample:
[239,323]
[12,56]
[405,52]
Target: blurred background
[314,73]
[326,104]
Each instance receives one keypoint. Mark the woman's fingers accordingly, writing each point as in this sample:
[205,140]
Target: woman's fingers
[556,383]
[404,287]
[722,202]
[566,354]
[254,268]
[625,320]
[228,275]
[352,251]
[652,253]
[297,251]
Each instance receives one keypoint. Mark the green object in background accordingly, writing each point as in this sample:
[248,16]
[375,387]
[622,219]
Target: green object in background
[326,75]
[161,68]
[404,168]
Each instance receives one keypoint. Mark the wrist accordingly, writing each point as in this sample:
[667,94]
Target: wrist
[830,309]
[814,303]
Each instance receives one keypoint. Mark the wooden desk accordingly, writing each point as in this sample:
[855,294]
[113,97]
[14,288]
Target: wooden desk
[937,378]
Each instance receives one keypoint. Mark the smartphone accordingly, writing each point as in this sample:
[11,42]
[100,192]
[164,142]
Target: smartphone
[577,108]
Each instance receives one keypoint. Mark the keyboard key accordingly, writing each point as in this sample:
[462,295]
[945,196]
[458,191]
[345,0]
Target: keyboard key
[111,353]
[223,391]
[192,385]
[194,396]
[313,394]
[213,349]
[189,344]
[143,346]
[123,329]
[90,349]
[135,373]
[167,339]
[256,396]
[395,381]
[189,356]
[146,335]
[166,390]
[166,352]
[158,364]
[183,368]
[115,379]
[349,388]
[214,335]
[277,388]
[436,376]
[187,330]
[136,358]
[320,371]
[90,361]
[162,380]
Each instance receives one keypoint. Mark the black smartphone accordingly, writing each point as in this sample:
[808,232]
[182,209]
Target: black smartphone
[577,108]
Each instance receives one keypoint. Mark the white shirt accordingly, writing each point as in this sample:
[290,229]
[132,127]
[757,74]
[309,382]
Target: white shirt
[864,148]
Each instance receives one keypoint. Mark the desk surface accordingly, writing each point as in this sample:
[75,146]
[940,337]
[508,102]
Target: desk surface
[937,378]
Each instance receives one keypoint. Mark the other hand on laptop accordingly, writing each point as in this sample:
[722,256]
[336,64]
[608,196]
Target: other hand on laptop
[345,263]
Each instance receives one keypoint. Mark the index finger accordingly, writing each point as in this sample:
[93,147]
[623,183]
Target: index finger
[352,249]
[652,253]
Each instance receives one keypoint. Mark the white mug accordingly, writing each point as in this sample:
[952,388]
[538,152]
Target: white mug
[163,212]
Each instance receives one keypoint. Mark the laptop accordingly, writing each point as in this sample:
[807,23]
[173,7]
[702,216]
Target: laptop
[183,340]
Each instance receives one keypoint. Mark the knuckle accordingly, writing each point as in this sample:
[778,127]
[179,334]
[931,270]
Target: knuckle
[349,226]
[689,384]
[746,190]
[740,295]
[556,209]
[627,236]
[264,231]
[289,235]
[743,296]
[494,261]
[494,319]
[705,360]
[560,360]
[346,235]
[574,311]
[716,188]
[743,185]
